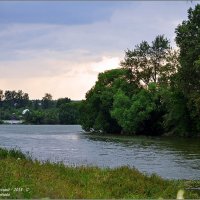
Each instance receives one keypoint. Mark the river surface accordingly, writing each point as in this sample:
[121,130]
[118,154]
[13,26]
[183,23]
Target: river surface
[176,158]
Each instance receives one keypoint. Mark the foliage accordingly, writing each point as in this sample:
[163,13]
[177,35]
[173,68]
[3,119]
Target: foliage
[160,91]
[188,40]
[62,101]
[176,115]
[140,114]
[1,95]
[68,113]
[45,111]
[14,99]
[151,63]
[128,100]
[46,101]
[95,110]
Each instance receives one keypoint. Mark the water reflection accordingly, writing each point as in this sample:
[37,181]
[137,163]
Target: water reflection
[188,147]
[168,157]
[174,155]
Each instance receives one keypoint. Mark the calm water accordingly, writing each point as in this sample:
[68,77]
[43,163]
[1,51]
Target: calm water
[170,158]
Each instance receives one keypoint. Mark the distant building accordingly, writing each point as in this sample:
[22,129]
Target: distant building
[25,111]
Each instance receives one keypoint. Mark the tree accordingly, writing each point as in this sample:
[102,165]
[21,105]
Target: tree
[17,99]
[51,117]
[9,95]
[128,99]
[1,95]
[176,119]
[159,52]
[42,117]
[62,101]
[47,96]
[140,114]
[46,101]
[137,63]
[95,110]
[68,114]
[21,99]
[188,40]
[1,99]
[151,63]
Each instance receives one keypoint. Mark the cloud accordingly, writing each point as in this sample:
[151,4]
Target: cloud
[54,72]
[57,12]
[106,64]
[64,59]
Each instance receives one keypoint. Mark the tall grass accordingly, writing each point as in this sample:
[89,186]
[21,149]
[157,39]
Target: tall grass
[28,178]
[12,153]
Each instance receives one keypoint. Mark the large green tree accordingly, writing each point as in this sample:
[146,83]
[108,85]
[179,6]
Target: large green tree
[140,114]
[95,110]
[188,40]
[129,99]
[151,63]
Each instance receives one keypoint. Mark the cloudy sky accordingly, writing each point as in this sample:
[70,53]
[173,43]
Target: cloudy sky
[60,47]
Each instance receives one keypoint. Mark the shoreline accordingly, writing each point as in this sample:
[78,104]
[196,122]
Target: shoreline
[109,135]
[35,179]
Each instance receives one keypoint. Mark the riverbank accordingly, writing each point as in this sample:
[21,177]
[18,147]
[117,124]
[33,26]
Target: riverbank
[22,177]
[125,135]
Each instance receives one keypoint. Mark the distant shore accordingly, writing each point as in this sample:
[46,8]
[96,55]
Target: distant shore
[12,121]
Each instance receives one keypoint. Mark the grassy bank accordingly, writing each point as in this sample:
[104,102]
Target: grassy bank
[21,177]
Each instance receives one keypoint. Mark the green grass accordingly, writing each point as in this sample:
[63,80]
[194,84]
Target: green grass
[26,178]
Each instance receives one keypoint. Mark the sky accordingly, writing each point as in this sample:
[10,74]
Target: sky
[59,47]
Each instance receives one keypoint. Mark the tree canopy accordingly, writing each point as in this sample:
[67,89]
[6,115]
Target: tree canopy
[188,40]
[127,100]
[156,91]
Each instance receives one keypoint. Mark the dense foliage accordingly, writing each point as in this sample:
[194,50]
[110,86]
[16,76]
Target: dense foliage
[45,111]
[188,40]
[95,111]
[156,91]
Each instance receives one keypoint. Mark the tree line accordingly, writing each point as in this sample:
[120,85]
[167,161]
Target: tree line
[156,91]
[44,111]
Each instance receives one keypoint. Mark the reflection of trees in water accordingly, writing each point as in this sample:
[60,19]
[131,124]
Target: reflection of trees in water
[189,148]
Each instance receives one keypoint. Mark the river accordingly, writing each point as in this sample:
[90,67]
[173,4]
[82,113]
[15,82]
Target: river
[176,158]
